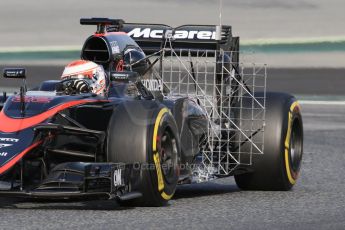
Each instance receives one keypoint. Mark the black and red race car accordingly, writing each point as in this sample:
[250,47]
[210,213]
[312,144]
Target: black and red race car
[136,143]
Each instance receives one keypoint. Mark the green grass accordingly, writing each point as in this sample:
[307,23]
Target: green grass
[257,46]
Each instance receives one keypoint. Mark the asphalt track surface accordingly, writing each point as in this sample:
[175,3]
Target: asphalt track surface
[52,24]
[301,81]
[48,22]
[318,199]
[316,202]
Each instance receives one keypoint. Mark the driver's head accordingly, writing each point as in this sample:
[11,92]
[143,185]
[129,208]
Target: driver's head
[87,71]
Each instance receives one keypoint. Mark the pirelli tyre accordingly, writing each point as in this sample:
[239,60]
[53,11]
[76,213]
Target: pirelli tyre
[144,133]
[278,168]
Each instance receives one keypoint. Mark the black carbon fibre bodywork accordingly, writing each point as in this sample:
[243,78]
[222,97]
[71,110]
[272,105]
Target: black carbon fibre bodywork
[54,145]
[72,134]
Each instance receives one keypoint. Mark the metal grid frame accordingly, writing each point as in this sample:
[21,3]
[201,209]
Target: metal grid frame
[228,93]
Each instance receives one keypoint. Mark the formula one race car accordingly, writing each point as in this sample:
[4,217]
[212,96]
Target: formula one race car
[177,108]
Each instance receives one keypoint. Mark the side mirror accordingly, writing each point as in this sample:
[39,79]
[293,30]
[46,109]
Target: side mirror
[15,73]
[124,76]
[135,60]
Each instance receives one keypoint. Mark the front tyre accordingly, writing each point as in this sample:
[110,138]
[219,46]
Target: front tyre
[278,168]
[146,133]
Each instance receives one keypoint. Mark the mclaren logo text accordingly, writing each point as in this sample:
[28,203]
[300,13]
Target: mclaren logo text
[178,34]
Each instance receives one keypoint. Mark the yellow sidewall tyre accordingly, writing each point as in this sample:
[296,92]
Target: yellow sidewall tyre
[145,133]
[278,168]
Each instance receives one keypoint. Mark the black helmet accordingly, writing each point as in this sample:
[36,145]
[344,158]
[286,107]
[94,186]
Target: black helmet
[135,60]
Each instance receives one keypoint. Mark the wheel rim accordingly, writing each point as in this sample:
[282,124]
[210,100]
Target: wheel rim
[296,142]
[168,156]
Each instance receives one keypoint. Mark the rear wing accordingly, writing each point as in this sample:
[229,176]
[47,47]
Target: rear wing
[151,37]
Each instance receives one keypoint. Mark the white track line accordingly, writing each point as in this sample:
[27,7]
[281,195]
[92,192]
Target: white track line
[306,102]
[38,49]
[293,41]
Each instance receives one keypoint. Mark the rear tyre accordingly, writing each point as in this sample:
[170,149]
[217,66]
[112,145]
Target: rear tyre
[146,133]
[279,166]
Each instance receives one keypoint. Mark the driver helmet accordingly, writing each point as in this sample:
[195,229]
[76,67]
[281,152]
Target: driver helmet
[89,72]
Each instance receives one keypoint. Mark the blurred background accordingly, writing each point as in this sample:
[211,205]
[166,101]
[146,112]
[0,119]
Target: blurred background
[301,41]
